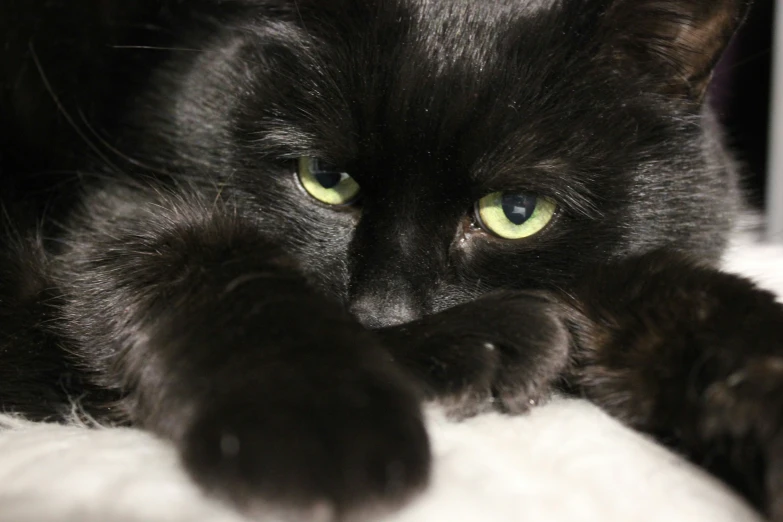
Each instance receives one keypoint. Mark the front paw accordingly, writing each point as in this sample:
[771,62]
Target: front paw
[692,356]
[501,352]
[744,412]
[317,451]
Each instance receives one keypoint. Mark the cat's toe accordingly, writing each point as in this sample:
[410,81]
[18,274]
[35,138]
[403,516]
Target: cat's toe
[774,481]
[461,377]
[500,378]
[528,369]
[322,461]
[741,430]
[502,353]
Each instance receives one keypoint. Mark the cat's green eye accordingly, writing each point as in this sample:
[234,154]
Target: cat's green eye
[325,183]
[514,215]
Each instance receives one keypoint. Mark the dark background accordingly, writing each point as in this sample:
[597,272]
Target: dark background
[741,95]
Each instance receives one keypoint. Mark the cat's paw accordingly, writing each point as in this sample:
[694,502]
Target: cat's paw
[692,356]
[329,451]
[744,412]
[773,480]
[501,352]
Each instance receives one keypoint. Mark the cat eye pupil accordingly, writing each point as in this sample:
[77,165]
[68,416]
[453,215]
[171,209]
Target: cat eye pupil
[518,208]
[326,183]
[328,179]
[514,215]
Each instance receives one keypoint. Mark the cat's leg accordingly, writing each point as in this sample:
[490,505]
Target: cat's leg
[37,378]
[503,351]
[272,393]
[693,356]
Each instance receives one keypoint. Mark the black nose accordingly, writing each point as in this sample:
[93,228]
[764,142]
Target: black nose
[380,311]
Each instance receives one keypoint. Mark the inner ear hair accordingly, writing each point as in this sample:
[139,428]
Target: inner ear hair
[676,42]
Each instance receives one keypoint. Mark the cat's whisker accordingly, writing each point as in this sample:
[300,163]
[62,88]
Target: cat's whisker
[61,108]
[221,187]
[732,69]
[116,151]
[179,50]
[160,48]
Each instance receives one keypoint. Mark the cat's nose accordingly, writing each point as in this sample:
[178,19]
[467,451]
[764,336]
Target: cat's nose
[378,311]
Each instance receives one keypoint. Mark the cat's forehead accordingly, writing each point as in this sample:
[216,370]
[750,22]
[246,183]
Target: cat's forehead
[448,31]
[470,18]
[399,86]
[413,69]
[444,18]
[438,33]
[469,34]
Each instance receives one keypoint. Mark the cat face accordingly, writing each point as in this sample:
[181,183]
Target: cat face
[362,134]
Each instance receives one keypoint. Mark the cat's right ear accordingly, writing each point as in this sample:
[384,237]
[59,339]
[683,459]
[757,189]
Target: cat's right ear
[674,43]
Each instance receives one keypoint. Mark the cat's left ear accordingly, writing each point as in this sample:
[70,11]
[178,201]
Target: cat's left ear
[675,43]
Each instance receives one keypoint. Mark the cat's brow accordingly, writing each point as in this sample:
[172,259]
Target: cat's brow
[567,184]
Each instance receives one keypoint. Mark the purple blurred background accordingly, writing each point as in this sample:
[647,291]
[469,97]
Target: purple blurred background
[741,95]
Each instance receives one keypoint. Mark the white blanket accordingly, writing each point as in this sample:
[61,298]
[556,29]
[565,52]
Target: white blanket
[564,462]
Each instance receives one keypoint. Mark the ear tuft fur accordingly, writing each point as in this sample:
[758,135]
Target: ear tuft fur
[680,41]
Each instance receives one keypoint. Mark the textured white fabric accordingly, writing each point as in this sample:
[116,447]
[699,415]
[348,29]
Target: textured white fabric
[565,462]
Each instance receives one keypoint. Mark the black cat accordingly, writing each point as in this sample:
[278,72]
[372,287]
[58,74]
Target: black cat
[266,230]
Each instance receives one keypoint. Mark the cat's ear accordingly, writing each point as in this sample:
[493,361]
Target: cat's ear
[676,43]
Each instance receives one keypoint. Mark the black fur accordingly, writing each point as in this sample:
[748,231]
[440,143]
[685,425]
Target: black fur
[162,265]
